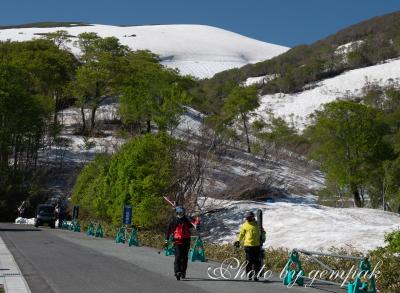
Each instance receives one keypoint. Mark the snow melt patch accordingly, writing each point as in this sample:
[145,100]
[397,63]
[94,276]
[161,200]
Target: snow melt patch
[25,221]
[297,107]
[259,79]
[79,149]
[296,224]
[197,50]
[349,47]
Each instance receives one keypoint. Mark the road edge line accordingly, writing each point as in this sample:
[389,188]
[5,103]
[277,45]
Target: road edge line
[4,251]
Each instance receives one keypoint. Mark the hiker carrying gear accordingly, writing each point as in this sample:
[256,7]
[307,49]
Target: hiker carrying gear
[180,229]
[249,232]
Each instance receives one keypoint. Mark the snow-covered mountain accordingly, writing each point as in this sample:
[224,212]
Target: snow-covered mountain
[198,50]
[297,107]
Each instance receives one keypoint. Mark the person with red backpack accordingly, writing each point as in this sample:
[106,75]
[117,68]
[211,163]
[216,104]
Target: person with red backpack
[180,228]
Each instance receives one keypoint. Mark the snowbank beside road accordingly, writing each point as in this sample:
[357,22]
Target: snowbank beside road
[25,221]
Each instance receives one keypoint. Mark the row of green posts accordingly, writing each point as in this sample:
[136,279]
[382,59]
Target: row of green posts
[294,272]
[197,252]
[73,225]
[95,230]
[122,236]
[130,234]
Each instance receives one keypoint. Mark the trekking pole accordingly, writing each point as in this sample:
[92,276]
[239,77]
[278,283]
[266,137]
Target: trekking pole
[173,204]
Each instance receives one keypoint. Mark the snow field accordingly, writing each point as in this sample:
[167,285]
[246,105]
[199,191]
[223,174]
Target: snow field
[197,50]
[304,225]
[297,107]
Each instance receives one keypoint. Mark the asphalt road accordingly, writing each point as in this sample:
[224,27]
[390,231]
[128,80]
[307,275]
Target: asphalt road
[64,261]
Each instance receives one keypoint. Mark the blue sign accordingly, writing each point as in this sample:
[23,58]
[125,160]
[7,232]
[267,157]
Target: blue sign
[127,217]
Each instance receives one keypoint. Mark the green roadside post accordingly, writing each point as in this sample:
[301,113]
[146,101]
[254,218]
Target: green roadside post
[133,238]
[120,238]
[99,231]
[76,226]
[363,286]
[294,271]
[90,230]
[64,225]
[170,249]
[197,252]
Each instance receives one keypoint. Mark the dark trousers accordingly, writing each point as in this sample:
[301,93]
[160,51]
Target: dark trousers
[181,256]
[253,259]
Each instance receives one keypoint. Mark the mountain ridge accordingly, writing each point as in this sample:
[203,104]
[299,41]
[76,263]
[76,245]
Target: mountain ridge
[375,40]
[197,50]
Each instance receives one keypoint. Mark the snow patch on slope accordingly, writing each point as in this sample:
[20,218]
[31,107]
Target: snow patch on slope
[198,50]
[303,225]
[259,79]
[297,107]
[349,47]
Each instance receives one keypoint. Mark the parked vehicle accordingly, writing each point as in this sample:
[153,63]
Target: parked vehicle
[45,214]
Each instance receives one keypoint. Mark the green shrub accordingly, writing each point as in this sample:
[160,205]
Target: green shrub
[389,280]
[393,241]
[139,175]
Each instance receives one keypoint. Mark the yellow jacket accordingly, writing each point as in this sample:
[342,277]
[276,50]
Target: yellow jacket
[249,231]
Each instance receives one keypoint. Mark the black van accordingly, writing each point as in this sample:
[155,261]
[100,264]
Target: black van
[45,213]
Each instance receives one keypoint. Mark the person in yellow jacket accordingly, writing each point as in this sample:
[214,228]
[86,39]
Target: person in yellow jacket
[250,236]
